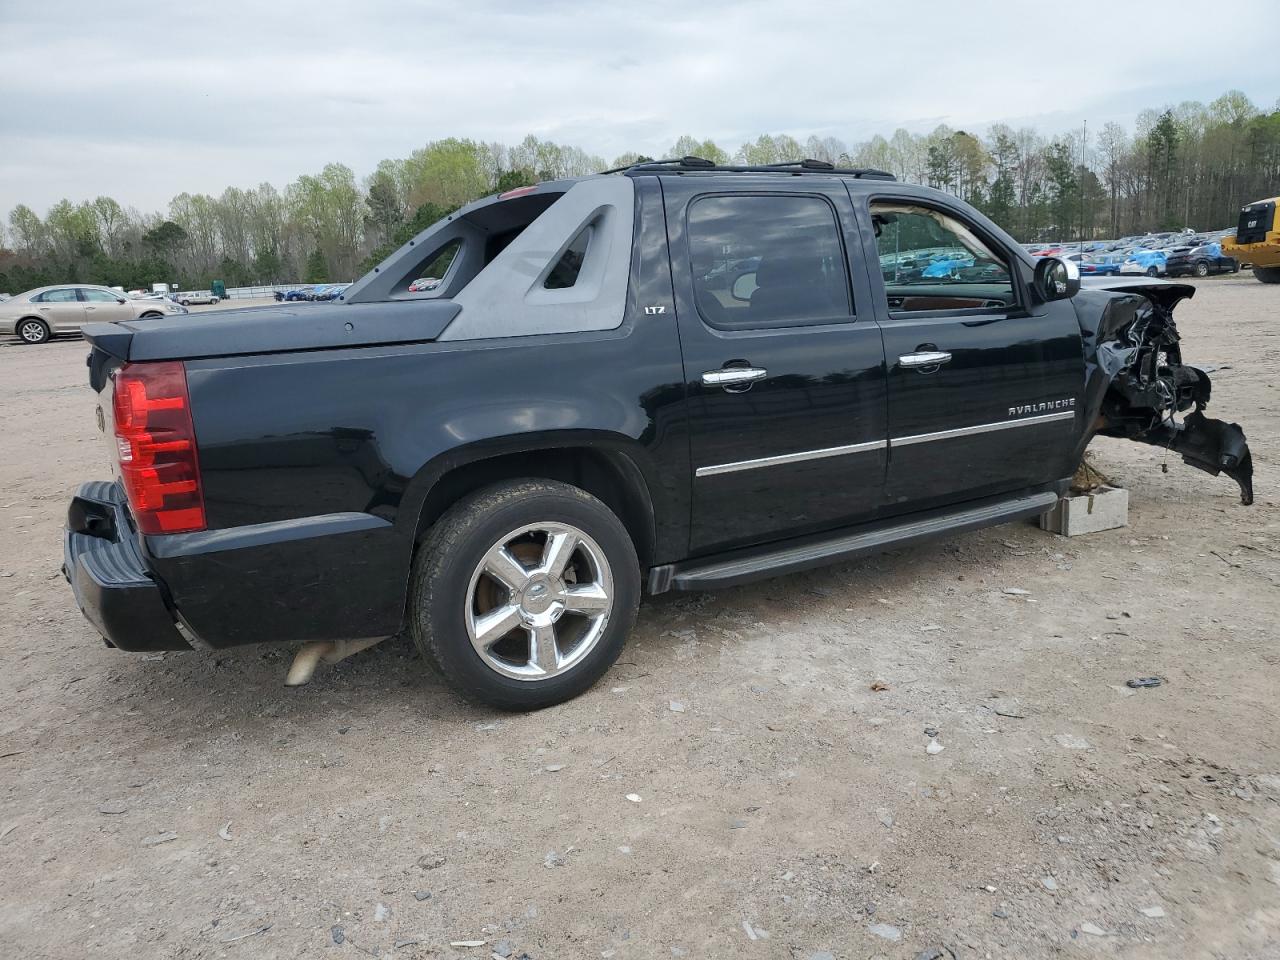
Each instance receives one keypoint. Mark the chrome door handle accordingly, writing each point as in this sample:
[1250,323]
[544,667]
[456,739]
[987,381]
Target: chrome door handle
[927,358]
[733,376]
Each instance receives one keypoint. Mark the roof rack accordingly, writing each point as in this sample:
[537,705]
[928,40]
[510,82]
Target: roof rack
[790,166]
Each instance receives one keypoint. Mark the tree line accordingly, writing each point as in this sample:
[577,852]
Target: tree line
[1189,165]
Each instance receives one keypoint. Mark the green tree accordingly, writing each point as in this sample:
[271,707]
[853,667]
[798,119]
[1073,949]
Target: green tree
[1162,145]
[29,233]
[317,270]
[767,149]
[268,268]
[1064,188]
[448,173]
[328,212]
[1002,196]
[383,200]
[166,239]
[688,146]
[514,179]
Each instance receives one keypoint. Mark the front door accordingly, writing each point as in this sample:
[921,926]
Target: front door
[984,386]
[61,309]
[103,306]
[785,378]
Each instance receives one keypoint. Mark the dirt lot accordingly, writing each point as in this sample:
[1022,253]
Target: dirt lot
[788,810]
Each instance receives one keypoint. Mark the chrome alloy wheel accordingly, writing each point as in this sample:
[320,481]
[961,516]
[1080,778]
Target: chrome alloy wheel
[539,601]
[32,331]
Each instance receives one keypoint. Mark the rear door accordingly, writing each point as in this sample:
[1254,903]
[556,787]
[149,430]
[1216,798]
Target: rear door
[104,306]
[785,377]
[984,386]
[62,309]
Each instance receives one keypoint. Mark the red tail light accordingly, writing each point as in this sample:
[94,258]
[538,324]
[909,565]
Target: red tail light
[157,445]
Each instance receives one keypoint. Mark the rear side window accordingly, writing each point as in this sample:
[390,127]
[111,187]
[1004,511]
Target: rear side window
[565,273]
[58,296]
[433,271]
[767,261]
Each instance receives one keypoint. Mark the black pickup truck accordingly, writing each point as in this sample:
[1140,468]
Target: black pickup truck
[674,376]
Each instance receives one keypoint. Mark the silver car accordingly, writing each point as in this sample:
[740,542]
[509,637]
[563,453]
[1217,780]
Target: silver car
[38,315]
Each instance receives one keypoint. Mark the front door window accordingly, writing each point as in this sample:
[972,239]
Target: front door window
[929,260]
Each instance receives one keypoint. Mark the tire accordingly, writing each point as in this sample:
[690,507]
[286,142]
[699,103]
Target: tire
[185,303]
[451,590]
[32,330]
[1267,274]
[1153,272]
[1202,268]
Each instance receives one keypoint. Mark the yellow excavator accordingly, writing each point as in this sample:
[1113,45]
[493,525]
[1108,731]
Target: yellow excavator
[1257,240]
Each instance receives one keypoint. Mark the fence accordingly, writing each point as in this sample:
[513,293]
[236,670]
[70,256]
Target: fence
[269,290]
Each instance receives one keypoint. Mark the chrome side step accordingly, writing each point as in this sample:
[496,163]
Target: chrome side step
[789,557]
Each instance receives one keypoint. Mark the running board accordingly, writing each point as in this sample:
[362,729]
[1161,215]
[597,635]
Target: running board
[778,559]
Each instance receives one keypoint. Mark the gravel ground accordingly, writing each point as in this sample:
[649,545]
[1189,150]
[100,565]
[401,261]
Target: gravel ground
[737,786]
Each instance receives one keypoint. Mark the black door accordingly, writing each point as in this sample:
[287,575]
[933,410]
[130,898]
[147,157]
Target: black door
[786,383]
[983,386]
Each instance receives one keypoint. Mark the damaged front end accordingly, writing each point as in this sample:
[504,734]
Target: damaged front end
[1138,384]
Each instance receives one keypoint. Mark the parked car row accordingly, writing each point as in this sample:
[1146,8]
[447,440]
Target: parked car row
[1185,253]
[316,292]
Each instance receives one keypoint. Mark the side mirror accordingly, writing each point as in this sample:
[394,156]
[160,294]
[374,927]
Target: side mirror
[744,285]
[121,300]
[1056,279]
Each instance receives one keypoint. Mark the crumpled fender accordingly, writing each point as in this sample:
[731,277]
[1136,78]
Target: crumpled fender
[1136,382]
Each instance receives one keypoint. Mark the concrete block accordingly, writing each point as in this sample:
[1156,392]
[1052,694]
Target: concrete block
[1105,508]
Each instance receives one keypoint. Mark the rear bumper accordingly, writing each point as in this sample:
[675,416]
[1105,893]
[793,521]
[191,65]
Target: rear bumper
[113,587]
[329,577]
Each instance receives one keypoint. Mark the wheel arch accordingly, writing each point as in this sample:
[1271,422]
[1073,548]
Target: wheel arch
[609,467]
[48,327]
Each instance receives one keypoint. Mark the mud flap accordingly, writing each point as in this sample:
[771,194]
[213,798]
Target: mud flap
[1213,446]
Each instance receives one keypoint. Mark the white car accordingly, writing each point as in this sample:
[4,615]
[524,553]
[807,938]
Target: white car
[197,296]
[37,315]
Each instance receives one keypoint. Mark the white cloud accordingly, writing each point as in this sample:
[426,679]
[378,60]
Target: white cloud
[144,100]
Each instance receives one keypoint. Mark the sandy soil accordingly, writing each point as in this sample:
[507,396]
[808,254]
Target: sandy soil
[788,810]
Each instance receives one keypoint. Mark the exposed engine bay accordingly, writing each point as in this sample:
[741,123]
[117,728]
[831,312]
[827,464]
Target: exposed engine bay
[1137,361]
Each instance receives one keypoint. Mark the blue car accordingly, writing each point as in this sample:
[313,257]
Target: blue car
[1151,263]
[1101,265]
[947,266]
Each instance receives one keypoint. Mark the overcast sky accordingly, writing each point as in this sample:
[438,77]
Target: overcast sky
[142,100]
